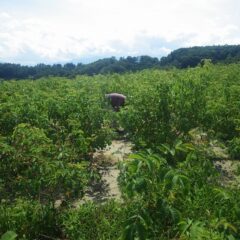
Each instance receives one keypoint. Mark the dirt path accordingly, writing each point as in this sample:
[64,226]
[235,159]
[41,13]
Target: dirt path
[107,161]
[229,172]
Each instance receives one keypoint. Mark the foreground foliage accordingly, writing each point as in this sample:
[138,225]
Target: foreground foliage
[50,128]
[182,202]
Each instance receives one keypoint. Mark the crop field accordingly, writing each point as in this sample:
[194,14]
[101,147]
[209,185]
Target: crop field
[181,182]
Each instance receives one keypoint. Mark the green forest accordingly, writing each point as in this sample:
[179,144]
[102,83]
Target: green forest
[180,58]
[184,125]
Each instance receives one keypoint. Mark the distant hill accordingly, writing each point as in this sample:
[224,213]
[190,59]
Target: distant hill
[180,58]
[191,57]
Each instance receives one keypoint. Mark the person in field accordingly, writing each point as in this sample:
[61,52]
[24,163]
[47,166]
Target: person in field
[117,100]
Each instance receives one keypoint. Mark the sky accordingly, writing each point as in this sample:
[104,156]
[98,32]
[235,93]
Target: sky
[60,31]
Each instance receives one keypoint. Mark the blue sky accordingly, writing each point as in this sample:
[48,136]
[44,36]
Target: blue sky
[58,31]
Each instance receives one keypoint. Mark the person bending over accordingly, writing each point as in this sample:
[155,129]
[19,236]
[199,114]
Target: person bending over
[117,100]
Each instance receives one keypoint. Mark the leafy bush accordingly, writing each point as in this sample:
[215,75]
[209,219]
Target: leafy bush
[164,196]
[29,167]
[28,219]
[234,148]
[93,221]
[154,189]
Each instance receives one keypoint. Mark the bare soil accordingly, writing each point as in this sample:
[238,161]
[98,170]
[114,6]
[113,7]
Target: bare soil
[229,169]
[230,173]
[107,163]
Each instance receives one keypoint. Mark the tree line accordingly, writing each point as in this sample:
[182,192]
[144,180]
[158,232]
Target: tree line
[180,58]
[191,57]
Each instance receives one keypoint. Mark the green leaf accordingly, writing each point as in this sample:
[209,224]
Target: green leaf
[9,235]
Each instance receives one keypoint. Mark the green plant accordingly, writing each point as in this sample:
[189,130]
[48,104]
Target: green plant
[234,148]
[31,167]
[9,235]
[28,219]
[91,221]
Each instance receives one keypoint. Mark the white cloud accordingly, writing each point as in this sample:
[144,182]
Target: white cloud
[62,30]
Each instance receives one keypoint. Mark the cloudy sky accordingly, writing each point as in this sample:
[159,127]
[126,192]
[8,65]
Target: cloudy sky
[58,31]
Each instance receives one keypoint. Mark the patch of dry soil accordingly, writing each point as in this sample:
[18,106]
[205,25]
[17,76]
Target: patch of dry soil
[229,170]
[107,161]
